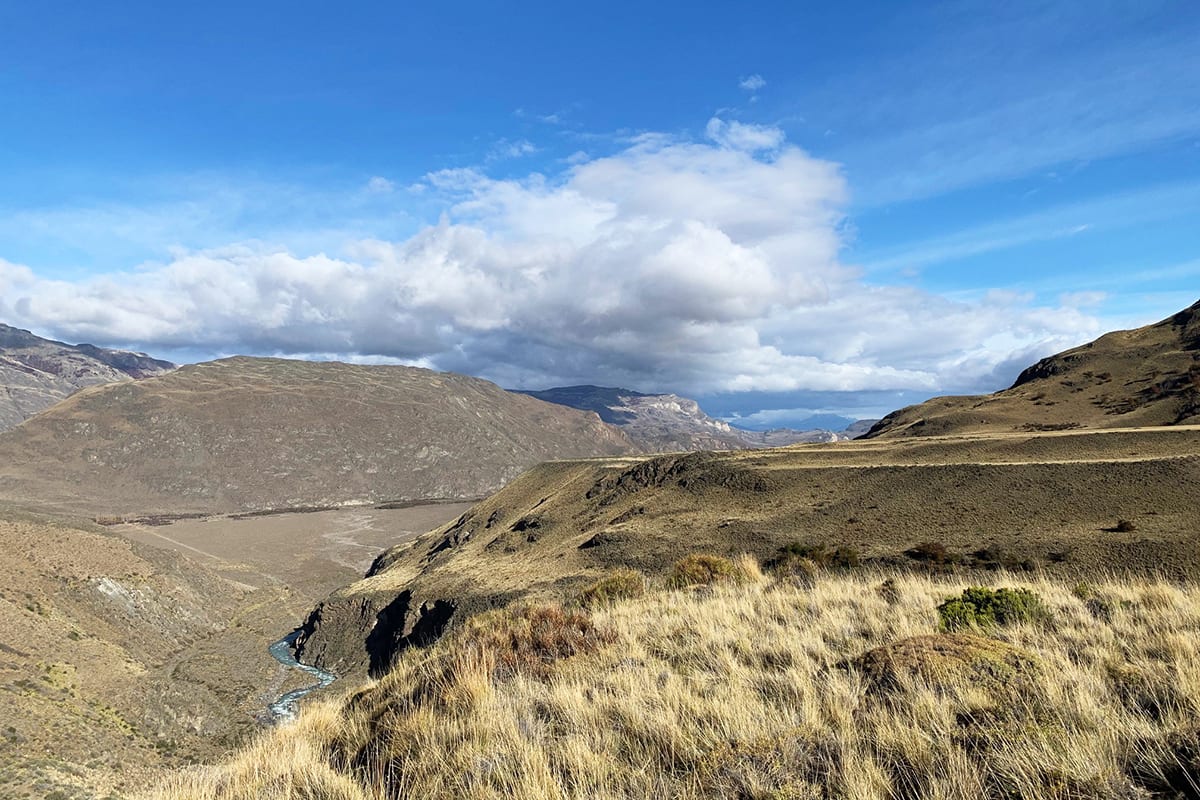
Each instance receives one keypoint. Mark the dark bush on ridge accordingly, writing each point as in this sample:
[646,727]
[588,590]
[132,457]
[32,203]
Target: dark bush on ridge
[796,555]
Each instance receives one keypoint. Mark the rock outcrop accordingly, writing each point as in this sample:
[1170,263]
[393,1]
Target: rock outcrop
[36,373]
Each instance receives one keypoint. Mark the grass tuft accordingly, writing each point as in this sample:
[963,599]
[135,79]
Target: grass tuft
[623,584]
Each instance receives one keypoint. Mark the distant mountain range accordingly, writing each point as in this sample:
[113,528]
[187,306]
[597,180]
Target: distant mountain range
[1143,377]
[668,422]
[36,373]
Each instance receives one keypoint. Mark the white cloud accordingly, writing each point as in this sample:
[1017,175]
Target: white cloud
[505,149]
[380,185]
[1082,299]
[752,83]
[744,136]
[670,265]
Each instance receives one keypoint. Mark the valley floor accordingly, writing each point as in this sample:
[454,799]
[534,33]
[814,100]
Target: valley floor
[129,649]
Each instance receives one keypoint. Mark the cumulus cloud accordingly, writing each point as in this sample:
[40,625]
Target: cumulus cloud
[505,149]
[752,83]
[698,267]
[380,185]
[743,136]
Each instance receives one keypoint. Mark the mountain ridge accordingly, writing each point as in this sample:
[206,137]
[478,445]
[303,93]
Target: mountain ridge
[669,422]
[36,373]
[1146,376]
[247,434]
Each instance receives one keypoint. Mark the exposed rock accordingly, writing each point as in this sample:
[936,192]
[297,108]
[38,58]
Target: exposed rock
[670,423]
[36,373]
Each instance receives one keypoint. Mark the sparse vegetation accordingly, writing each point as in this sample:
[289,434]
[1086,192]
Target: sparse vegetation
[836,691]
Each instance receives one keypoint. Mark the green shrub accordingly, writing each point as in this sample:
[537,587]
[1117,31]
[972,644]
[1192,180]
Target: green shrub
[702,569]
[620,585]
[981,607]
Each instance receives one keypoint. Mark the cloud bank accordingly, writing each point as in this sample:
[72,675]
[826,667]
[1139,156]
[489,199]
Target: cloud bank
[700,267]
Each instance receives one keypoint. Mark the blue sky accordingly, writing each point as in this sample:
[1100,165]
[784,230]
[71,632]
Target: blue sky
[779,208]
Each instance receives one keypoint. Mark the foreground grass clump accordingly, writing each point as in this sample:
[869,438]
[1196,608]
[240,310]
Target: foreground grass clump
[703,569]
[530,639]
[623,584]
[981,607]
[766,689]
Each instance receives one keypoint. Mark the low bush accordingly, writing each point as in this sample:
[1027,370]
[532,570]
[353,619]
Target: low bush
[620,585]
[798,557]
[981,607]
[529,640]
[932,553]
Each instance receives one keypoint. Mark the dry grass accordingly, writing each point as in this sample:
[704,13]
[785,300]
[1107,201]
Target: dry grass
[759,689]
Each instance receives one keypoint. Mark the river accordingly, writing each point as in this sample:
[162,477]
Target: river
[284,708]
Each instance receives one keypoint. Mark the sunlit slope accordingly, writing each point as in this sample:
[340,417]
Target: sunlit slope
[116,658]
[835,686]
[254,433]
[1143,377]
[1034,501]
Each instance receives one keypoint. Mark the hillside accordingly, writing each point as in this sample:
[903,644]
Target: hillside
[1142,377]
[117,658]
[1039,501]
[664,423]
[36,373]
[825,685]
[258,433]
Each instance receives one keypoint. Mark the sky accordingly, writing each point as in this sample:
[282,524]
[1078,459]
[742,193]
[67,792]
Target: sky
[781,209]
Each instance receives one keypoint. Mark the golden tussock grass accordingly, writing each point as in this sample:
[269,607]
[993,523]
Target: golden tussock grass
[759,689]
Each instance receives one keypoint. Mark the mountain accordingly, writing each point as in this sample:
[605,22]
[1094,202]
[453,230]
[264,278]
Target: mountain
[1047,502]
[670,423]
[36,373]
[244,434]
[1143,377]
[859,428]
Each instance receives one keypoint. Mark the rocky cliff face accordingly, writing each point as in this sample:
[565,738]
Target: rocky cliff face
[670,423]
[36,373]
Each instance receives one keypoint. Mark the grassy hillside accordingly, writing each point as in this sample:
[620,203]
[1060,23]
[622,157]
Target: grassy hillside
[1144,377]
[1050,502]
[255,433]
[799,686]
